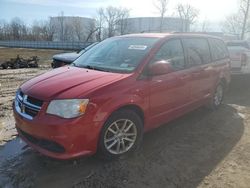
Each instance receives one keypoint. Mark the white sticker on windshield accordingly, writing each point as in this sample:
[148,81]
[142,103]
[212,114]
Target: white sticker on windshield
[137,47]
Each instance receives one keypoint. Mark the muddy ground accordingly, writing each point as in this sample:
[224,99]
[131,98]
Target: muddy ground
[11,79]
[201,149]
[44,55]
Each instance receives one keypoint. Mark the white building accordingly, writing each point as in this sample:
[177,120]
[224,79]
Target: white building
[153,24]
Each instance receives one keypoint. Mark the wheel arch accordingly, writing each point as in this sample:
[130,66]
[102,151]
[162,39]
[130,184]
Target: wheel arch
[224,82]
[133,107]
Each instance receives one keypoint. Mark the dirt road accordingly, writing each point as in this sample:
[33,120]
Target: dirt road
[201,149]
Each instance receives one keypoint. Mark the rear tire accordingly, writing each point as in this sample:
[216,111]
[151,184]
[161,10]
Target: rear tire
[217,97]
[121,134]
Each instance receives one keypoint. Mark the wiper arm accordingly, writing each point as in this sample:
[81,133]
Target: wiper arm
[89,67]
[95,68]
[74,64]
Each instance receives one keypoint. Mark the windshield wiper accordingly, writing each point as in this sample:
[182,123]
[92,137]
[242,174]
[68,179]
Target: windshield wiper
[95,68]
[74,64]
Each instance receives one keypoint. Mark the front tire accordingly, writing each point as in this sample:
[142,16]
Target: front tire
[121,134]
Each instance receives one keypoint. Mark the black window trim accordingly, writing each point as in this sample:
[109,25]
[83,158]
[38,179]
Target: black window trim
[186,64]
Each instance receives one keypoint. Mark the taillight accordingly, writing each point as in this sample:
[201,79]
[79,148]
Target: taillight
[243,59]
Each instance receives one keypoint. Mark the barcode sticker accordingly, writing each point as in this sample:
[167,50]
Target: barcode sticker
[137,47]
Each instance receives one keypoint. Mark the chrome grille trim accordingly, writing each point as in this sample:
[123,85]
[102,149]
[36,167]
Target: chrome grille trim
[21,104]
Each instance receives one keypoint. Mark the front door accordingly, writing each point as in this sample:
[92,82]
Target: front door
[169,93]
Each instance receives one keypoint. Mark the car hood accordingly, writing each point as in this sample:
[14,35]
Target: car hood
[67,57]
[68,82]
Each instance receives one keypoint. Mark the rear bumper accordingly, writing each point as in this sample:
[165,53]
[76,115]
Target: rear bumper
[240,70]
[59,138]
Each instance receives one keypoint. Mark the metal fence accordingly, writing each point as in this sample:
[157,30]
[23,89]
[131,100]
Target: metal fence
[45,44]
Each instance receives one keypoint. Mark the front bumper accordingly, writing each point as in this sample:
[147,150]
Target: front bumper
[60,138]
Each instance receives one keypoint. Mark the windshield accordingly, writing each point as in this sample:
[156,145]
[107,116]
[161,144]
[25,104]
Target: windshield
[116,54]
[87,48]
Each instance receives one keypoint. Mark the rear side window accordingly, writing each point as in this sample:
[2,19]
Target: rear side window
[218,49]
[172,51]
[197,50]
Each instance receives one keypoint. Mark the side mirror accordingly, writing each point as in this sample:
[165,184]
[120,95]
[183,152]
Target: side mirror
[160,68]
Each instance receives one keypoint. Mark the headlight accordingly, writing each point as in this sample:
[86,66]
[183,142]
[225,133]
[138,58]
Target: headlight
[68,108]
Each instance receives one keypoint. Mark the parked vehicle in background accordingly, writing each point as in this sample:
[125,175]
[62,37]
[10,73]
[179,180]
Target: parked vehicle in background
[241,43]
[119,89]
[239,52]
[62,59]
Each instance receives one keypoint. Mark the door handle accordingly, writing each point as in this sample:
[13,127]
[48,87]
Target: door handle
[196,73]
[184,77]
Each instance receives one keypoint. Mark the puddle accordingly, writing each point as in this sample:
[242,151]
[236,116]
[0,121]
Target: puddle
[12,149]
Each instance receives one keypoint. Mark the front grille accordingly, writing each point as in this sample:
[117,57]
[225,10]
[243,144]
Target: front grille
[27,106]
[43,143]
[34,101]
[30,112]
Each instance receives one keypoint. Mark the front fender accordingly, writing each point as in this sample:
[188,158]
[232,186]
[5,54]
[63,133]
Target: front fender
[113,104]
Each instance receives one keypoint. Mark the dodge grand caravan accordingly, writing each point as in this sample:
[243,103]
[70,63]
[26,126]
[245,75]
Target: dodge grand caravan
[122,87]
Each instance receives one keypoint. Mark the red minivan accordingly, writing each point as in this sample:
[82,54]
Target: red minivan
[122,87]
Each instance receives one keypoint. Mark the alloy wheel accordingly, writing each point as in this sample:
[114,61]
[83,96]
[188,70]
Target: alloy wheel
[120,136]
[218,96]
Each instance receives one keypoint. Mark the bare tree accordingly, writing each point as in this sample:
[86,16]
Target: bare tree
[42,30]
[51,29]
[238,23]
[2,23]
[113,19]
[205,26]
[35,30]
[69,33]
[17,28]
[62,26]
[188,15]
[78,28]
[244,9]
[233,25]
[122,21]
[161,6]
[91,31]
[100,24]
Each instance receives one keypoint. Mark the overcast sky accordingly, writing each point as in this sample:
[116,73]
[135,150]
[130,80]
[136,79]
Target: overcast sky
[29,10]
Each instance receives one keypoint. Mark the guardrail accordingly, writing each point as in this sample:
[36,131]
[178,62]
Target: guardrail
[45,44]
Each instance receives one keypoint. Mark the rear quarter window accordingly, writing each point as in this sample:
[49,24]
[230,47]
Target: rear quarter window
[218,49]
